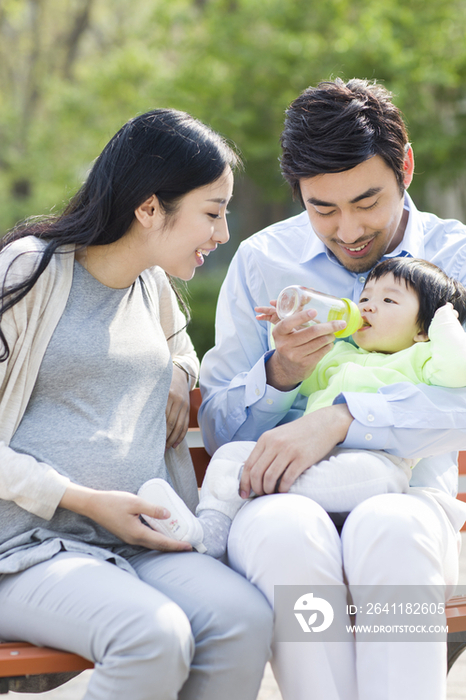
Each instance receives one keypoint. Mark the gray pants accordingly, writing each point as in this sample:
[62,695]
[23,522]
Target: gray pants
[187,628]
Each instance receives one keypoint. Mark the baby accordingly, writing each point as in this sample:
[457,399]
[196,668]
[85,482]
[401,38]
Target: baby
[412,314]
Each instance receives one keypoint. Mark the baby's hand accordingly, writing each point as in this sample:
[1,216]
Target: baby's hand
[267,313]
[446,310]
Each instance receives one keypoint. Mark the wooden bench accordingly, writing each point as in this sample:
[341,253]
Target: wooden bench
[27,668]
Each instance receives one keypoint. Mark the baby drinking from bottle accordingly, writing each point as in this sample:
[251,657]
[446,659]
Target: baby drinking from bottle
[409,330]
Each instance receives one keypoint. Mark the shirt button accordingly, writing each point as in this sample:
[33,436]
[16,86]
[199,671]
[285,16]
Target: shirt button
[269,401]
[257,391]
[362,280]
[370,418]
[368,436]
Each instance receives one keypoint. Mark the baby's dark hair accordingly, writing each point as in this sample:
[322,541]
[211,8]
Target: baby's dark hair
[433,287]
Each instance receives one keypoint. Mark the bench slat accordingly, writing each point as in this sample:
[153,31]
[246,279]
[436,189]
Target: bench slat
[21,659]
[456,614]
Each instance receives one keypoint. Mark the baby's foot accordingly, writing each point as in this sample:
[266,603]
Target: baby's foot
[216,527]
[208,533]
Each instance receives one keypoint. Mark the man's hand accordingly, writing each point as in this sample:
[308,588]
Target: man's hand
[298,349]
[177,410]
[288,450]
[118,512]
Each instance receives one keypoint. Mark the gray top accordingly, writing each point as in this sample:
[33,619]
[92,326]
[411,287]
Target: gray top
[96,414]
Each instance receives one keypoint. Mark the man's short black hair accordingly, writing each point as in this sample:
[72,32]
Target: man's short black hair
[335,126]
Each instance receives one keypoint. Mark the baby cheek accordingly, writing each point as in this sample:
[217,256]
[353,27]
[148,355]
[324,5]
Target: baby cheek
[360,341]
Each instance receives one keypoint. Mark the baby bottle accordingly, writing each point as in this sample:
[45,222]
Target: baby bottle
[329,308]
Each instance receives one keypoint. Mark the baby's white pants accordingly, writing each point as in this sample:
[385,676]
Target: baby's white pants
[338,483]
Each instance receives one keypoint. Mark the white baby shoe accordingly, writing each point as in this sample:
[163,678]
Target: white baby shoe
[182,525]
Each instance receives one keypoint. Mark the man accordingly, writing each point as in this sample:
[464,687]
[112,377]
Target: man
[347,158]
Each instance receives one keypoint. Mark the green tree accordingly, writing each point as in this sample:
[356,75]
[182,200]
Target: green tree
[71,71]
[248,59]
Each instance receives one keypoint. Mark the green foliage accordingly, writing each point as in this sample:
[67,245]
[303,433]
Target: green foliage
[72,71]
[202,294]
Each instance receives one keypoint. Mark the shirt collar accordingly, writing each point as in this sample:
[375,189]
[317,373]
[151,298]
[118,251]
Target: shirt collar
[412,244]
[313,246]
[413,240]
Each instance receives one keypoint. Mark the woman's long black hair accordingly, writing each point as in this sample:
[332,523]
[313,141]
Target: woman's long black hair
[163,152]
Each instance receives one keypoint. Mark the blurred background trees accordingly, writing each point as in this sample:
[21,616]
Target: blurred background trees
[72,71]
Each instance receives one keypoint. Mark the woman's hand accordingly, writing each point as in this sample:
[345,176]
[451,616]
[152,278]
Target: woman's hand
[118,512]
[288,450]
[177,411]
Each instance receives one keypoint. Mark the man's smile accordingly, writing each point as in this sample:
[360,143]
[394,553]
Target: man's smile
[357,251]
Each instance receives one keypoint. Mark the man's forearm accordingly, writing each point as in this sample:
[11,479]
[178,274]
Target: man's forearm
[244,409]
[408,420]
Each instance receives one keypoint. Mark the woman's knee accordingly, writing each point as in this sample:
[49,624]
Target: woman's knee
[237,618]
[144,648]
[158,634]
[228,606]
[254,632]
[252,613]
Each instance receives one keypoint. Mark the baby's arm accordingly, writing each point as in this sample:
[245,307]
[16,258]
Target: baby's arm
[447,367]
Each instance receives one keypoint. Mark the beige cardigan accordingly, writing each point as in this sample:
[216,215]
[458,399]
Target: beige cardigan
[28,327]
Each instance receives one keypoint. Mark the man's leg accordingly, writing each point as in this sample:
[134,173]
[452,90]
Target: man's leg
[395,540]
[289,540]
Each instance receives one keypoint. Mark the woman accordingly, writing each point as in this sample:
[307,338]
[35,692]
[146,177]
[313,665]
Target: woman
[95,377]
